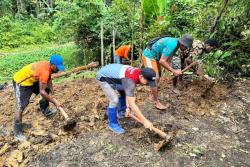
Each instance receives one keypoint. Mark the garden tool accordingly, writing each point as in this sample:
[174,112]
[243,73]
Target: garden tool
[167,138]
[186,68]
[70,123]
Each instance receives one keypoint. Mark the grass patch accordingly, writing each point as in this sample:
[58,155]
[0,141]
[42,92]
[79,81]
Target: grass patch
[15,60]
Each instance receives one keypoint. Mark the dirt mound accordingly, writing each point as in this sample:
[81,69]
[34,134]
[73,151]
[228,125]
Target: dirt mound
[92,144]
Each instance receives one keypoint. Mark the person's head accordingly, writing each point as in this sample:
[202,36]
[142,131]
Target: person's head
[147,77]
[185,42]
[211,44]
[56,63]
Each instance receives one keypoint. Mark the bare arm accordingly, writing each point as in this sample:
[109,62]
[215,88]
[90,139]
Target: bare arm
[134,108]
[50,85]
[165,62]
[46,96]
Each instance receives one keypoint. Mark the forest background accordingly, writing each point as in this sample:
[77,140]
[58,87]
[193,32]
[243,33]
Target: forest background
[32,30]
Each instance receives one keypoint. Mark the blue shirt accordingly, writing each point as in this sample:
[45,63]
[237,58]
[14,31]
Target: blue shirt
[120,77]
[163,47]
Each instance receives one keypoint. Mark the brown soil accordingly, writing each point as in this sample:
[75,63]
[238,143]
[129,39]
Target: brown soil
[212,128]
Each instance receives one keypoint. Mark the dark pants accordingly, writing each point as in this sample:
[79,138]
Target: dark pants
[23,94]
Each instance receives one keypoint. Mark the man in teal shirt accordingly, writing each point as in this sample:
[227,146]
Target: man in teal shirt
[161,54]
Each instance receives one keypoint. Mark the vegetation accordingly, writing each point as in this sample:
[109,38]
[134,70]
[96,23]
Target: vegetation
[27,23]
[14,61]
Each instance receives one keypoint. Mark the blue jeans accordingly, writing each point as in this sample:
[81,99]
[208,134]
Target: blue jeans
[118,60]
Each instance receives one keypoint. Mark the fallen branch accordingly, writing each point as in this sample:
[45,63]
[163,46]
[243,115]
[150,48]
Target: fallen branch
[75,70]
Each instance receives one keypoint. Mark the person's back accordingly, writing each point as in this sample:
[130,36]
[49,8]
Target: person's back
[33,72]
[165,46]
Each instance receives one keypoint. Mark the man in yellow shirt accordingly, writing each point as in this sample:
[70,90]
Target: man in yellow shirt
[35,78]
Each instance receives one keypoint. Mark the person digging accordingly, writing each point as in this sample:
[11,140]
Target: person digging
[35,78]
[160,54]
[187,57]
[123,54]
[123,78]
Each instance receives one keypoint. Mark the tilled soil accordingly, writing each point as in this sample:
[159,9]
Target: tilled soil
[212,129]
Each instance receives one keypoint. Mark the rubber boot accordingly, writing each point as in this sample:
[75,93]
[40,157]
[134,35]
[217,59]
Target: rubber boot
[44,106]
[17,130]
[113,123]
[122,107]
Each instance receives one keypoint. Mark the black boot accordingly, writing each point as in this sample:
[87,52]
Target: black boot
[44,106]
[17,129]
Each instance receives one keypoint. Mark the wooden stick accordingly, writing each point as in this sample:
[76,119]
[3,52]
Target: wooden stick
[75,70]
[156,130]
[65,115]
[185,69]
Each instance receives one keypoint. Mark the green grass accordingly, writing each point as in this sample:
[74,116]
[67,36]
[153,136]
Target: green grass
[15,59]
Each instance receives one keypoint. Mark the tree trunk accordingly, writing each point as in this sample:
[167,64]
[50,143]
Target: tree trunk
[102,49]
[133,29]
[219,16]
[113,44]
[37,8]
[141,30]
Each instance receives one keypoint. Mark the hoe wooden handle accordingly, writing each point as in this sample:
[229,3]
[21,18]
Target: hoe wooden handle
[156,130]
[186,68]
[65,115]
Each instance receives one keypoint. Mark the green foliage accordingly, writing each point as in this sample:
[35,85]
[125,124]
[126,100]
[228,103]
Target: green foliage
[15,33]
[41,22]
[10,63]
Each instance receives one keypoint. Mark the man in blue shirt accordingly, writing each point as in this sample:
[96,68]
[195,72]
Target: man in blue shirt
[161,54]
[123,79]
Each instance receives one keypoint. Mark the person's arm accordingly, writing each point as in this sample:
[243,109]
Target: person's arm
[129,87]
[46,96]
[134,108]
[50,85]
[165,62]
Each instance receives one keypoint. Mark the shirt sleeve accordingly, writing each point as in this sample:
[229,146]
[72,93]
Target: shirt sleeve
[44,77]
[129,87]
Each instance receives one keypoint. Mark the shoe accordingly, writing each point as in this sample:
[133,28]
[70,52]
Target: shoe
[113,123]
[48,112]
[116,128]
[44,106]
[18,134]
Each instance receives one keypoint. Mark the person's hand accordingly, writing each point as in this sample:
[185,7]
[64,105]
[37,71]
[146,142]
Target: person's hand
[177,72]
[147,124]
[56,103]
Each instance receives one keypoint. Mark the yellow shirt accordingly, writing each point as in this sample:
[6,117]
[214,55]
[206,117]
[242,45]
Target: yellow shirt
[34,72]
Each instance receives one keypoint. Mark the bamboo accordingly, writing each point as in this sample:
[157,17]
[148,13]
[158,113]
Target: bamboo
[102,49]
[142,31]
[113,44]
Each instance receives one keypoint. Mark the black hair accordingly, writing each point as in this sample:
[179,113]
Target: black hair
[212,42]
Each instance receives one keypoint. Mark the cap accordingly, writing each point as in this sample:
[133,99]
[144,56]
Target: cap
[149,75]
[57,60]
[186,40]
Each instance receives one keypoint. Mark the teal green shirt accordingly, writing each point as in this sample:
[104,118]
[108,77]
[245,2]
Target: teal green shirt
[163,47]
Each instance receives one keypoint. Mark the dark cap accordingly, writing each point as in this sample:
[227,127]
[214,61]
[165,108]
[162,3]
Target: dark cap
[149,75]
[186,40]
